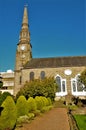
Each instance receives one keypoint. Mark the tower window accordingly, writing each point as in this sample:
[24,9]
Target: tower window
[20,80]
[31,75]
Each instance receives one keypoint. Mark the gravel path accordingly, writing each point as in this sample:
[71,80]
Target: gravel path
[56,119]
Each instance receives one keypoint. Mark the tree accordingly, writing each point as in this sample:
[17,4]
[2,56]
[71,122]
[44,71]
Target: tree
[8,115]
[21,105]
[46,87]
[82,77]
[3,96]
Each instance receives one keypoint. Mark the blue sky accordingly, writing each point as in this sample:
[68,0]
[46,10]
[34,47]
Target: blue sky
[57,28]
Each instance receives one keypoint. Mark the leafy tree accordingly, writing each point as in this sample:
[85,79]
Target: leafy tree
[3,96]
[8,115]
[21,106]
[46,87]
[83,77]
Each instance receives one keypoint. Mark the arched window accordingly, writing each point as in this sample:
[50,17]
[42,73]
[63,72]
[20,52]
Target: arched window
[61,91]
[31,75]
[42,74]
[77,86]
[58,81]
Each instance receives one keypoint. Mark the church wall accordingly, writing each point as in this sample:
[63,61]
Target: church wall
[50,72]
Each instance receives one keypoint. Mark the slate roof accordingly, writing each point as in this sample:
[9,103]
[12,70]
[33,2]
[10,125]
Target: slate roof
[56,62]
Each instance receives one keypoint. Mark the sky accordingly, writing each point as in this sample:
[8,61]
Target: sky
[57,28]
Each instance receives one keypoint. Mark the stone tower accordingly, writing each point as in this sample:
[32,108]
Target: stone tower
[23,52]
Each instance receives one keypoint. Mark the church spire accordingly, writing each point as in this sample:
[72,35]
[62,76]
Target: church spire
[25,18]
[24,33]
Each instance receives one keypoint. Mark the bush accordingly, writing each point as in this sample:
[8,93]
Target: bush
[8,115]
[22,119]
[46,87]
[42,102]
[31,104]
[22,107]
[31,116]
[49,102]
[46,109]
[39,103]
[3,96]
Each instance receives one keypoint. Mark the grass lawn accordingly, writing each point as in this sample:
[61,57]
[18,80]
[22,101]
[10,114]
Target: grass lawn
[81,121]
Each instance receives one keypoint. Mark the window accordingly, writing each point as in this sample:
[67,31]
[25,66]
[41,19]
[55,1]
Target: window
[42,74]
[74,86]
[77,86]
[58,81]
[61,84]
[31,75]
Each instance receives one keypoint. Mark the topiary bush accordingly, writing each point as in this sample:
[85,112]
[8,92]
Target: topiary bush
[49,101]
[8,115]
[31,104]
[22,107]
[3,96]
[39,102]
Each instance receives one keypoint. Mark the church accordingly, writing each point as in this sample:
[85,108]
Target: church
[65,70]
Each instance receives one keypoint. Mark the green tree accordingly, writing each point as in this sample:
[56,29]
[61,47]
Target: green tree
[46,87]
[82,77]
[3,96]
[8,115]
[21,105]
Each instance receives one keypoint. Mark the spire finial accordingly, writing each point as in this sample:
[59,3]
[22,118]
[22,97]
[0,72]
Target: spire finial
[25,16]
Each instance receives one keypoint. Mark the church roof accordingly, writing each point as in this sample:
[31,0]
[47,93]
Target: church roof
[56,62]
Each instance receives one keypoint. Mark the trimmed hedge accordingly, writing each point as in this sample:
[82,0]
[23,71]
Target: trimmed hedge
[22,107]
[8,115]
[31,104]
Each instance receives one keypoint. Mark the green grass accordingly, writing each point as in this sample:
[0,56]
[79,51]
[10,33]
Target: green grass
[81,121]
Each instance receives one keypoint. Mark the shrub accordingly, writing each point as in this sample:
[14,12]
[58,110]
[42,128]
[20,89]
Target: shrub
[8,115]
[39,102]
[46,109]
[22,119]
[37,112]
[21,105]
[31,104]
[31,116]
[49,101]
[42,102]
[3,96]
[46,87]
